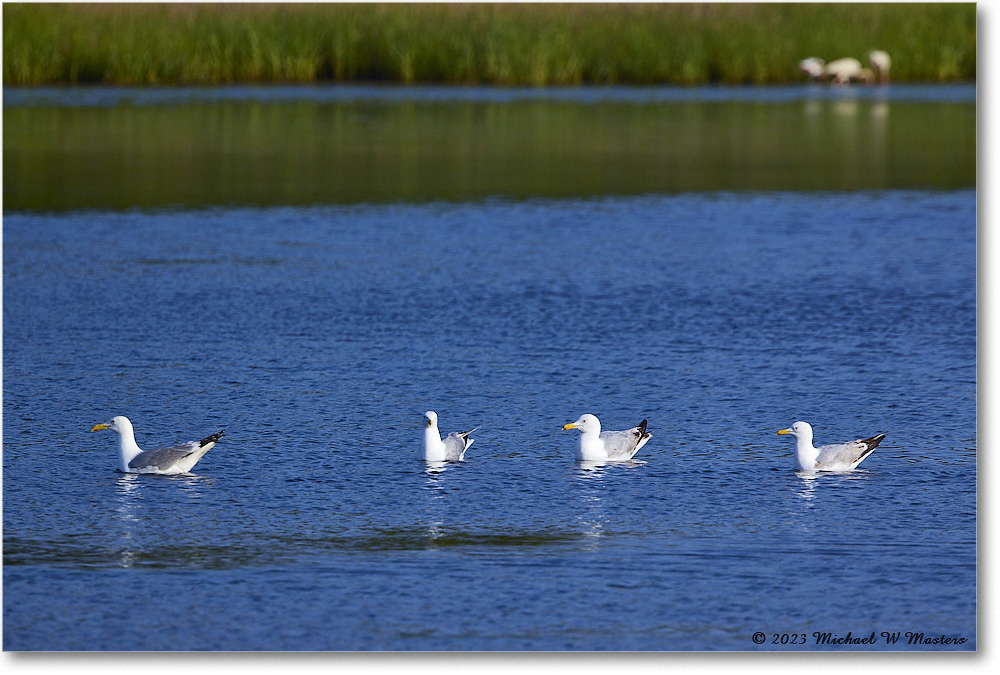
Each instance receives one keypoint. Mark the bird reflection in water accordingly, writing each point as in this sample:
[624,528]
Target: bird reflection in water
[435,484]
[590,479]
[129,498]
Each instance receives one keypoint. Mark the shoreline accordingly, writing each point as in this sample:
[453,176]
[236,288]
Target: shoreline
[537,45]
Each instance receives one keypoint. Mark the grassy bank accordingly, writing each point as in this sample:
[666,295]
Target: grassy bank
[547,44]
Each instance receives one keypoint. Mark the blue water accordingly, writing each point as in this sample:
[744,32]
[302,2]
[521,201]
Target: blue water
[317,337]
[346,93]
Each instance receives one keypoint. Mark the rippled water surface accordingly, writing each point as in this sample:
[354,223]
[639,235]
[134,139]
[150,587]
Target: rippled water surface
[317,337]
[112,148]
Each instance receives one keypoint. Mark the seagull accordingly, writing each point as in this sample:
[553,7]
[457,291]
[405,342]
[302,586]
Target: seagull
[843,71]
[838,457]
[607,446]
[813,67]
[173,460]
[452,448]
[880,63]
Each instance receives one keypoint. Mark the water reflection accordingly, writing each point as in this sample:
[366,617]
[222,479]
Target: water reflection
[129,498]
[348,152]
[435,478]
[879,111]
[435,485]
[598,465]
[192,485]
[807,493]
[433,470]
[845,108]
[807,488]
[592,514]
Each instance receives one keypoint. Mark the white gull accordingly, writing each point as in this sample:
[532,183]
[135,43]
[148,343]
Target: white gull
[836,457]
[607,446]
[451,449]
[172,460]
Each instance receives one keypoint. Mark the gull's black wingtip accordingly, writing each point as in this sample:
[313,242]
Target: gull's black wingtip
[214,438]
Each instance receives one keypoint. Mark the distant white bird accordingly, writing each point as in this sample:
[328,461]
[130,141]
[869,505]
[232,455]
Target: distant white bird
[846,70]
[880,63]
[451,449]
[173,460]
[607,446]
[813,67]
[839,457]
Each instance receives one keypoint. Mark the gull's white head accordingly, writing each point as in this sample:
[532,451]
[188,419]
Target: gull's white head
[119,425]
[799,430]
[587,424]
[879,59]
[813,67]
[432,418]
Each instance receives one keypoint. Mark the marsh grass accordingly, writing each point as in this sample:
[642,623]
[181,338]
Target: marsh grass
[509,44]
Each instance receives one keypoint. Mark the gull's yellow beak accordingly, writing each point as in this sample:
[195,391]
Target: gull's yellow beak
[98,427]
[571,425]
[784,431]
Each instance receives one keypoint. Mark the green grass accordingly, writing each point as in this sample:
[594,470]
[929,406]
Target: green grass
[531,44]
